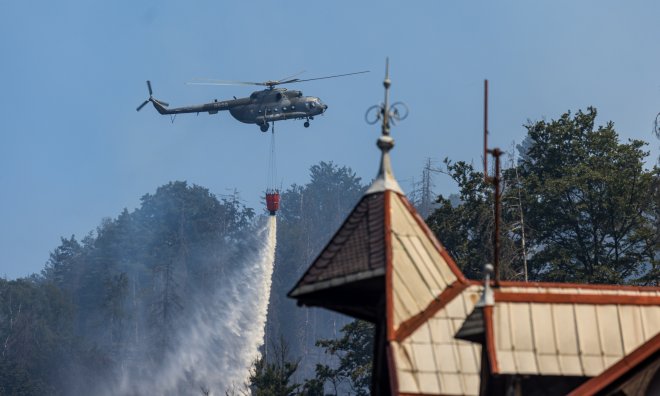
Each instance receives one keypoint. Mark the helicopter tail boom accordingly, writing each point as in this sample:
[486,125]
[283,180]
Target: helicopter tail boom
[211,108]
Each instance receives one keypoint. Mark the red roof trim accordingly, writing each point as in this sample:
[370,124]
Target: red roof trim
[389,290]
[391,367]
[578,286]
[559,298]
[441,249]
[619,369]
[490,339]
[423,394]
[409,326]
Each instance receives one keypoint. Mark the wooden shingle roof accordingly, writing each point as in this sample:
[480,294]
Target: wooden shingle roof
[577,330]
[355,252]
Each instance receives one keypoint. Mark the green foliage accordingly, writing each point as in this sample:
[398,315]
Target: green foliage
[273,378]
[35,332]
[466,229]
[590,209]
[353,353]
[589,201]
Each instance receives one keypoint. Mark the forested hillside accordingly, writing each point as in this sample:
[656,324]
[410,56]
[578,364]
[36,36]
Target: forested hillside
[119,297]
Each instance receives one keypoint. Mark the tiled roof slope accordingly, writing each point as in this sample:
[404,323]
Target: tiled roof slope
[552,330]
[355,252]
[419,271]
[576,330]
[431,361]
[430,299]
[633,373]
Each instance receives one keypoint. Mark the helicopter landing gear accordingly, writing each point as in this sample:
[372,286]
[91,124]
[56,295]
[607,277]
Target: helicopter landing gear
[306,124]
[263,127]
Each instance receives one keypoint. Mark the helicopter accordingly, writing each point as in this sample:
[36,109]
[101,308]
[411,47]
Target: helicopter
[261,107]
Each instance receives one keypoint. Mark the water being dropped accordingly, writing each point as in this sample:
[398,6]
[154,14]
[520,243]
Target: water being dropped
[214,352]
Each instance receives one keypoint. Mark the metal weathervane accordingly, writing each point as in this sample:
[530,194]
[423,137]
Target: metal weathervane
[398,111]
[387,114]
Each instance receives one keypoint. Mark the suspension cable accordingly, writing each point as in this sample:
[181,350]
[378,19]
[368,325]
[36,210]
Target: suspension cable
[271,178]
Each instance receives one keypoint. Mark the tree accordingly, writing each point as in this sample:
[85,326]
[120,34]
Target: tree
[590,202]
[590,207]
[273,378]
[35,336]
[61,264]
[353,353]
[466,228]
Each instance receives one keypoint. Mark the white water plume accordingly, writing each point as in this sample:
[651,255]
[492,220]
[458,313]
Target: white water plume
[215,351]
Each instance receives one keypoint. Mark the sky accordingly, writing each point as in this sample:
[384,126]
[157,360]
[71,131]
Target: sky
[75,151]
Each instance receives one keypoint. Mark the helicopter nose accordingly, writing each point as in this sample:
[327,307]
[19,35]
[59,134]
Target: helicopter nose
[325,107]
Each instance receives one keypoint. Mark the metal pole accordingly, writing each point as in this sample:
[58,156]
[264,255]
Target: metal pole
[386,106]
[496,236]
[486,130]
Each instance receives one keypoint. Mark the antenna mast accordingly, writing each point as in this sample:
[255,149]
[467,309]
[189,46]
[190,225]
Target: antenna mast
[495,180]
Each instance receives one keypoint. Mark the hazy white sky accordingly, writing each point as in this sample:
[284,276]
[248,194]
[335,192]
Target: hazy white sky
[74,150]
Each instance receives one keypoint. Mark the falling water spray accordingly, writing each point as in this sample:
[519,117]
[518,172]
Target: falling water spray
[215,351]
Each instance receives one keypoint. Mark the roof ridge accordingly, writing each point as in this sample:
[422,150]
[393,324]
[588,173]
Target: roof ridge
[568,285]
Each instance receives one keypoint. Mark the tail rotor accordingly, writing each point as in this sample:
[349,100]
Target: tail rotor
[151,98]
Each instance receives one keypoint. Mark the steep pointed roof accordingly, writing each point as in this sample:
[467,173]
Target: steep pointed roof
[385,265]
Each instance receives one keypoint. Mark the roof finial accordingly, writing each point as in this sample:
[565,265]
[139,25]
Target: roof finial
[388,114]
[487,297]
[386,83]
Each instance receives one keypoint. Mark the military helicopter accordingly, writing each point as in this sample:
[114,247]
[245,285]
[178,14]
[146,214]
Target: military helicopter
[261,107]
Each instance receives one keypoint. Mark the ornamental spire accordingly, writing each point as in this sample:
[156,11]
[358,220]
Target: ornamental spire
[388,115]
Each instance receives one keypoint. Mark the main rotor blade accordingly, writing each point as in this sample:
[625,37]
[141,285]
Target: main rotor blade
[142,105]
[322,78]
[223,82]
[286,79]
